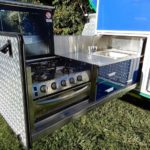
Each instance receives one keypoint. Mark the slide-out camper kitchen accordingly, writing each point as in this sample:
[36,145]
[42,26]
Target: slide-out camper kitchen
[45,81]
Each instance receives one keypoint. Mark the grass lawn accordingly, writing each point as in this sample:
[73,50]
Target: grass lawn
[116,125]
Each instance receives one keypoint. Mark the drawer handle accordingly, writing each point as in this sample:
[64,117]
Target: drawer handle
[109,90]
[129,81]
[63,98]
[112,74]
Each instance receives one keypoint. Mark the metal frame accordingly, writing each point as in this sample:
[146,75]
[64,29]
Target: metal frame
[58,120]
[48,125]
[148,82]
[26,98]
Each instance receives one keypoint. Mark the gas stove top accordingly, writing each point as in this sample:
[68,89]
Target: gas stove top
[57,74]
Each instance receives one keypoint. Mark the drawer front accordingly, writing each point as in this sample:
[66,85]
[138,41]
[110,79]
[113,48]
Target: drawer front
[125,72]
[106,88]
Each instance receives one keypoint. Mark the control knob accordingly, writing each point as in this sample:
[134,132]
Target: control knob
[63,83]
[65,70]
[72,80]
[79,78]
[43,88]
[54,86]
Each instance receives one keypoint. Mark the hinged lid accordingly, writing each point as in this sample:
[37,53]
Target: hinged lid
[123,15]
[33,22]
[22,5]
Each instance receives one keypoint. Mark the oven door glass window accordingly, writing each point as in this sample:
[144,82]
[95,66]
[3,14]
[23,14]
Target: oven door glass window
[34,27]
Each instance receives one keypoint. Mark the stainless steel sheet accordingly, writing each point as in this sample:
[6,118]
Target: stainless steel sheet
[83,48]
[93,59]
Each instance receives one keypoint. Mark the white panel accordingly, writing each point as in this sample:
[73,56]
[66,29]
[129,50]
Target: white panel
[145,69]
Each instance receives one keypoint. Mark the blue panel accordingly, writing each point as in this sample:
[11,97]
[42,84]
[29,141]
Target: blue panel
[103,86]
[116,76]
[124,15]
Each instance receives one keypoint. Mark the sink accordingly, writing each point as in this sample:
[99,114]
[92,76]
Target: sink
[114,54]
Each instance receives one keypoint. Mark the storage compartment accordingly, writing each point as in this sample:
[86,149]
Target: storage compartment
[117,76]
[105,88]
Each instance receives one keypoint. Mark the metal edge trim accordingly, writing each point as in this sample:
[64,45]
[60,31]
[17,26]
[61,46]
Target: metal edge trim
[23,4]
[148,82]
[139,95]
[144,95]
[39,59]
[25,100]
[11,34]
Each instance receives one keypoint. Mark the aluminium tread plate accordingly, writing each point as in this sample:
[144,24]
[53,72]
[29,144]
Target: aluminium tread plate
[11,90]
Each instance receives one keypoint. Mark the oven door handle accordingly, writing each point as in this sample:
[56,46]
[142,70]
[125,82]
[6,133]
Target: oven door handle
[63,98]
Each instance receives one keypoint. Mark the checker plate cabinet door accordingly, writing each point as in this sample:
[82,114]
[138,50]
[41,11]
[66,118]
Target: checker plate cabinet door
[123,15]
[12,104]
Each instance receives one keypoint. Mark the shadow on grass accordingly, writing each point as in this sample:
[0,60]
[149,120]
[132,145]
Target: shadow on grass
[140,102]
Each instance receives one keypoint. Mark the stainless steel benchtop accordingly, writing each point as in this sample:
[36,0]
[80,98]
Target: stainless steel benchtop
[93,59]
[80,48]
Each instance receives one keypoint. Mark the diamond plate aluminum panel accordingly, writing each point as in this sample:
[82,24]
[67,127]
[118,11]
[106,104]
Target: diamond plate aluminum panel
[11,90]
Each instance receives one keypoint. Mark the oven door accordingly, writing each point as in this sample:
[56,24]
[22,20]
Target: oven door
[54,103]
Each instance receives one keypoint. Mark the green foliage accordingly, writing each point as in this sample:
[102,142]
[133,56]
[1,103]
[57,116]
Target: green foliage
[69,16]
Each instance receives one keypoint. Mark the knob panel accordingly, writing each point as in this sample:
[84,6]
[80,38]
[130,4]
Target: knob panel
[59,84]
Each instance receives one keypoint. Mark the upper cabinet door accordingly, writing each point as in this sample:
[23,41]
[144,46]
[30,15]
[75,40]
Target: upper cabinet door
[123,15]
